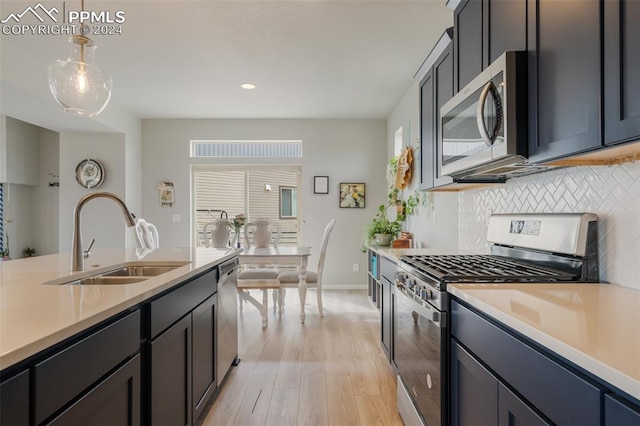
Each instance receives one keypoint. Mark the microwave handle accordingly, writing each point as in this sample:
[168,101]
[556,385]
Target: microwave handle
[482,125]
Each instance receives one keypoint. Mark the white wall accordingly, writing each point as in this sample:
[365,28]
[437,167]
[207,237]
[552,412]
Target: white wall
[436,224]
[101,218]
[18,215]
[345,150]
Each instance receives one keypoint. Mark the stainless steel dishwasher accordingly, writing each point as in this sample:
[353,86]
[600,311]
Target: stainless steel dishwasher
[227,321]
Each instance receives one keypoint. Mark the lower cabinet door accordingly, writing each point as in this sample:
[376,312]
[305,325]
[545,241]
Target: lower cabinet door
[512,411]
[171,375]
[14,400]
[114,401]
[618,412]
[204,362]
[474,391]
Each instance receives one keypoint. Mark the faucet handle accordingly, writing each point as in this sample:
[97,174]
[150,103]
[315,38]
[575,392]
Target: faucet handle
[87,252]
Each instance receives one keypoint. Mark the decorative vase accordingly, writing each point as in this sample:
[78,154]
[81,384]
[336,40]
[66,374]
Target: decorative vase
[383,239]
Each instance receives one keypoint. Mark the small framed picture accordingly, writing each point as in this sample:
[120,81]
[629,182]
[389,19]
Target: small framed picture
[352,195]
[165,193]
[321,184]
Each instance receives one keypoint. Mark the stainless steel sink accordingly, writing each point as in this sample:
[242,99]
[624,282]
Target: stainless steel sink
[128,273]
[104,280]
[140,271]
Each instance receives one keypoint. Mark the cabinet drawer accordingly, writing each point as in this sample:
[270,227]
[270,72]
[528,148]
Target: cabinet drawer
[65,375]
[14,400]
[170,308]
[619,412]
[558,393]
[387,269]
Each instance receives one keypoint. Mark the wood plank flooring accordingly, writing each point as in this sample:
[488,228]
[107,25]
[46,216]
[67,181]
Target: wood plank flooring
[329,371]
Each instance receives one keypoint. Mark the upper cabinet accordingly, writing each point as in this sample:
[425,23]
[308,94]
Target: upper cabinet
[484,30]
[564,78]
[621,71]
[436,87]
[468,42]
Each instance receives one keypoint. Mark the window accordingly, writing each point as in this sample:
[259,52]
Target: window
[288,202]
[256,149]
[397,142]
[250,190]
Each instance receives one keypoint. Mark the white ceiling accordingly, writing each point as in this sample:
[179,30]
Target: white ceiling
[187,59]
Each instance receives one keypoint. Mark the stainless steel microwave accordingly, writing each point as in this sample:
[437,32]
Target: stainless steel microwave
[483,128]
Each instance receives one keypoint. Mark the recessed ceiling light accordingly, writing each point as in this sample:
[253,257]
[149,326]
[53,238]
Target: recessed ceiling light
[248,86]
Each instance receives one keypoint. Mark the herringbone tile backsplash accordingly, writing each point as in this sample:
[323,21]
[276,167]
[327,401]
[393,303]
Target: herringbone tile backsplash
[613,193]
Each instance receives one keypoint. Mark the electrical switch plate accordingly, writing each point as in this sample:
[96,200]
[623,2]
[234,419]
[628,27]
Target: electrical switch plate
[177,217]
[356,267]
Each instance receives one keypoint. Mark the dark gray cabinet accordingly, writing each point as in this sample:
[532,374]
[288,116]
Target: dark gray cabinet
[373,289]
[621,71]
[427,132]
[468,42]
[504,27]
[114,401]
[436,88]
[203,320]
[14,400]
[387,278]
[171,375]
[620,412]
[478,397]
[543,384]
[564,78]
[474,391]
[182,353]
[71,372]
[484,30]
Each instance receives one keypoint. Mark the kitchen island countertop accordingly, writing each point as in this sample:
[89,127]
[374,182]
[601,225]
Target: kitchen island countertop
[35,316]
[594,326]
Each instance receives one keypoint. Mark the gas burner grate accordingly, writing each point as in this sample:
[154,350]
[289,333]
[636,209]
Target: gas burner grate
[483,268]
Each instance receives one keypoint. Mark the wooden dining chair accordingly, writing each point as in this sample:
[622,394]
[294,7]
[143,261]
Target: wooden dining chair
[314,278]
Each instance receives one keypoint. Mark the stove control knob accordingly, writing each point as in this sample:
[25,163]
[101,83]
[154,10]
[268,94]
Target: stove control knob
[428,294]
[412,283]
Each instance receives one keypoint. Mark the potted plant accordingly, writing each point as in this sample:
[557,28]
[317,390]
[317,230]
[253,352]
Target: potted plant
[381,229]
[29,251]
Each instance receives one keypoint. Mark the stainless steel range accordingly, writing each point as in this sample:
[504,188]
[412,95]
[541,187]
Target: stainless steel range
[525,248]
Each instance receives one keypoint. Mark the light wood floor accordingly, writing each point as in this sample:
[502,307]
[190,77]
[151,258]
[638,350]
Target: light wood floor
[329,371]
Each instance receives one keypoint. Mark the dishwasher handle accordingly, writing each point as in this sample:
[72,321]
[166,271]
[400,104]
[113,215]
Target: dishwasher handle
[228,267]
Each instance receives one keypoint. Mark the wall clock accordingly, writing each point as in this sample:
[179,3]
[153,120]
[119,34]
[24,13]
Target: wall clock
[90,173]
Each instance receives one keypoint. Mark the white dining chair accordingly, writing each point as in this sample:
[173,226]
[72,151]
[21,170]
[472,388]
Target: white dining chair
[259,234]
[221,233]
[314,278]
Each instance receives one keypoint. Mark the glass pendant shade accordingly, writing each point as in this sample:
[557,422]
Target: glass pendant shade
[77,85]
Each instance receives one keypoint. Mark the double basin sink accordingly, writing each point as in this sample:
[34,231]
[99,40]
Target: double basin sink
[131,273]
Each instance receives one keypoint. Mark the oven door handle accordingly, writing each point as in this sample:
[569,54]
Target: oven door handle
[421,309]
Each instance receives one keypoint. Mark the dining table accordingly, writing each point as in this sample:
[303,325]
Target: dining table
[282,256]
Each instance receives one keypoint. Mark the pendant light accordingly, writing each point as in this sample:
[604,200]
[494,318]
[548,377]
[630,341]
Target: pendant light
[77,85]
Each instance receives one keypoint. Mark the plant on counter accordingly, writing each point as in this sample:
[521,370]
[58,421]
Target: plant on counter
[381,229]
[29,251]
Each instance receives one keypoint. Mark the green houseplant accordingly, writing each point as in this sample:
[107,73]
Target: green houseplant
[381,229]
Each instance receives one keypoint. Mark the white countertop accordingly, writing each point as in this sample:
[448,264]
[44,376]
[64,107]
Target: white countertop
[34,316]
[595,326]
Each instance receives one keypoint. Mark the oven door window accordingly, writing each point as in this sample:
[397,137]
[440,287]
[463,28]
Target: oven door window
[418,356]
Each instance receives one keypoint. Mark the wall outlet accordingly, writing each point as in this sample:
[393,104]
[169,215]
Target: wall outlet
[356,267]
[176,217]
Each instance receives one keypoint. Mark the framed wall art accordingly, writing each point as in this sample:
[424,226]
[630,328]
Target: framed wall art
[165,193]
[352,195]
[321,184]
